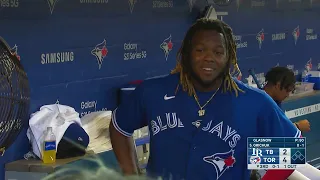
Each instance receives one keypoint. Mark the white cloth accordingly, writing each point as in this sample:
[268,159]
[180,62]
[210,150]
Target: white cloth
[296,175]
[57,116]
[96,125]
[309,171]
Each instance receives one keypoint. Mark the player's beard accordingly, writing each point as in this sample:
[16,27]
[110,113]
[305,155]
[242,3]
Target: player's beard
[208,84]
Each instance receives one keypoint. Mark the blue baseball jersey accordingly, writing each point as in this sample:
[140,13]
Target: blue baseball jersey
[184,145]
[278,103]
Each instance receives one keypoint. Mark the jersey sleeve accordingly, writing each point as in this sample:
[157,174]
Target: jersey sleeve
[130,115]
[272,122]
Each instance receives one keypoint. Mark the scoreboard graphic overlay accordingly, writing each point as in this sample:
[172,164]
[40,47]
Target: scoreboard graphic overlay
[276,153]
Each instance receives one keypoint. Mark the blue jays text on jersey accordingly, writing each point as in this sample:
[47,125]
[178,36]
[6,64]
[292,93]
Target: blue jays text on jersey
[171,121]
[187,146]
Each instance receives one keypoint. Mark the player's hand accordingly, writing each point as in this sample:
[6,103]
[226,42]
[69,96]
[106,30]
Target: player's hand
[304,125]
[255,175]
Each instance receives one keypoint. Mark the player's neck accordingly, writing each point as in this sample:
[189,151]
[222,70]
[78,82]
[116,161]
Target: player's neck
[206,88]
[269,91]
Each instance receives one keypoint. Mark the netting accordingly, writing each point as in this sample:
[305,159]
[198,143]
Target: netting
[14,97]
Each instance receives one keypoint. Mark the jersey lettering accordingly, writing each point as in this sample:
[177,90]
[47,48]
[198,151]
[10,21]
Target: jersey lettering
[217,128]
[171,122]
[234,141]
[207,127]
[154,127]
[230,134]
[160,124]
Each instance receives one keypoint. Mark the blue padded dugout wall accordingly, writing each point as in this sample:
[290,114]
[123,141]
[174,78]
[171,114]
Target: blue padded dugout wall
[78,52]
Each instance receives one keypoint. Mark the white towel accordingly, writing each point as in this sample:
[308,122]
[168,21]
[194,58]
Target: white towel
[96,125]
[309,171]
[57,116]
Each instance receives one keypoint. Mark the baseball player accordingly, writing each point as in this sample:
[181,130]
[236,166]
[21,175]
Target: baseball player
[280,82]
[199,117]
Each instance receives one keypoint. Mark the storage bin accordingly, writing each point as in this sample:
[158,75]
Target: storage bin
[303,87]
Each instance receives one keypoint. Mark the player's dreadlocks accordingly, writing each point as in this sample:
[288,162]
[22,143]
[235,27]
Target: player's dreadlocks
[183,56]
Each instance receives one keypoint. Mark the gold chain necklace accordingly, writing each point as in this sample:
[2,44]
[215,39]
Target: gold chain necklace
[202,111]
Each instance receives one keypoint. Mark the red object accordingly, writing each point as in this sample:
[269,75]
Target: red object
[170,45]
[277,174]
[136,82]
[104,51]
[229,161]
[262,36]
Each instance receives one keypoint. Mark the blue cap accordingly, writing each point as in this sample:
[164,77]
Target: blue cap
[73,143]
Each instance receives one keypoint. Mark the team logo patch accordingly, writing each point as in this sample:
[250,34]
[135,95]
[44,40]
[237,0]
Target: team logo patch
[255,160]
[100,52]
[296,34]
[131,4]
[52,4]
[308,65]
[221,161]
[260,38]
[167,46]
[14,51]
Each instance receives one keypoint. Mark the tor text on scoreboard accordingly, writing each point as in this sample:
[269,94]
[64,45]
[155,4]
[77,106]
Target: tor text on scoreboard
[276,152]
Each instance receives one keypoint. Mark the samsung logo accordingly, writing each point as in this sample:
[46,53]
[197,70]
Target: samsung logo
[59,57]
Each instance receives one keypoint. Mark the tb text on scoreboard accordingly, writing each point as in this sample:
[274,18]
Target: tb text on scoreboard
[276,152]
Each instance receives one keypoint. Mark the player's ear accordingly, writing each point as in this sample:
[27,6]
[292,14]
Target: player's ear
[278,86]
